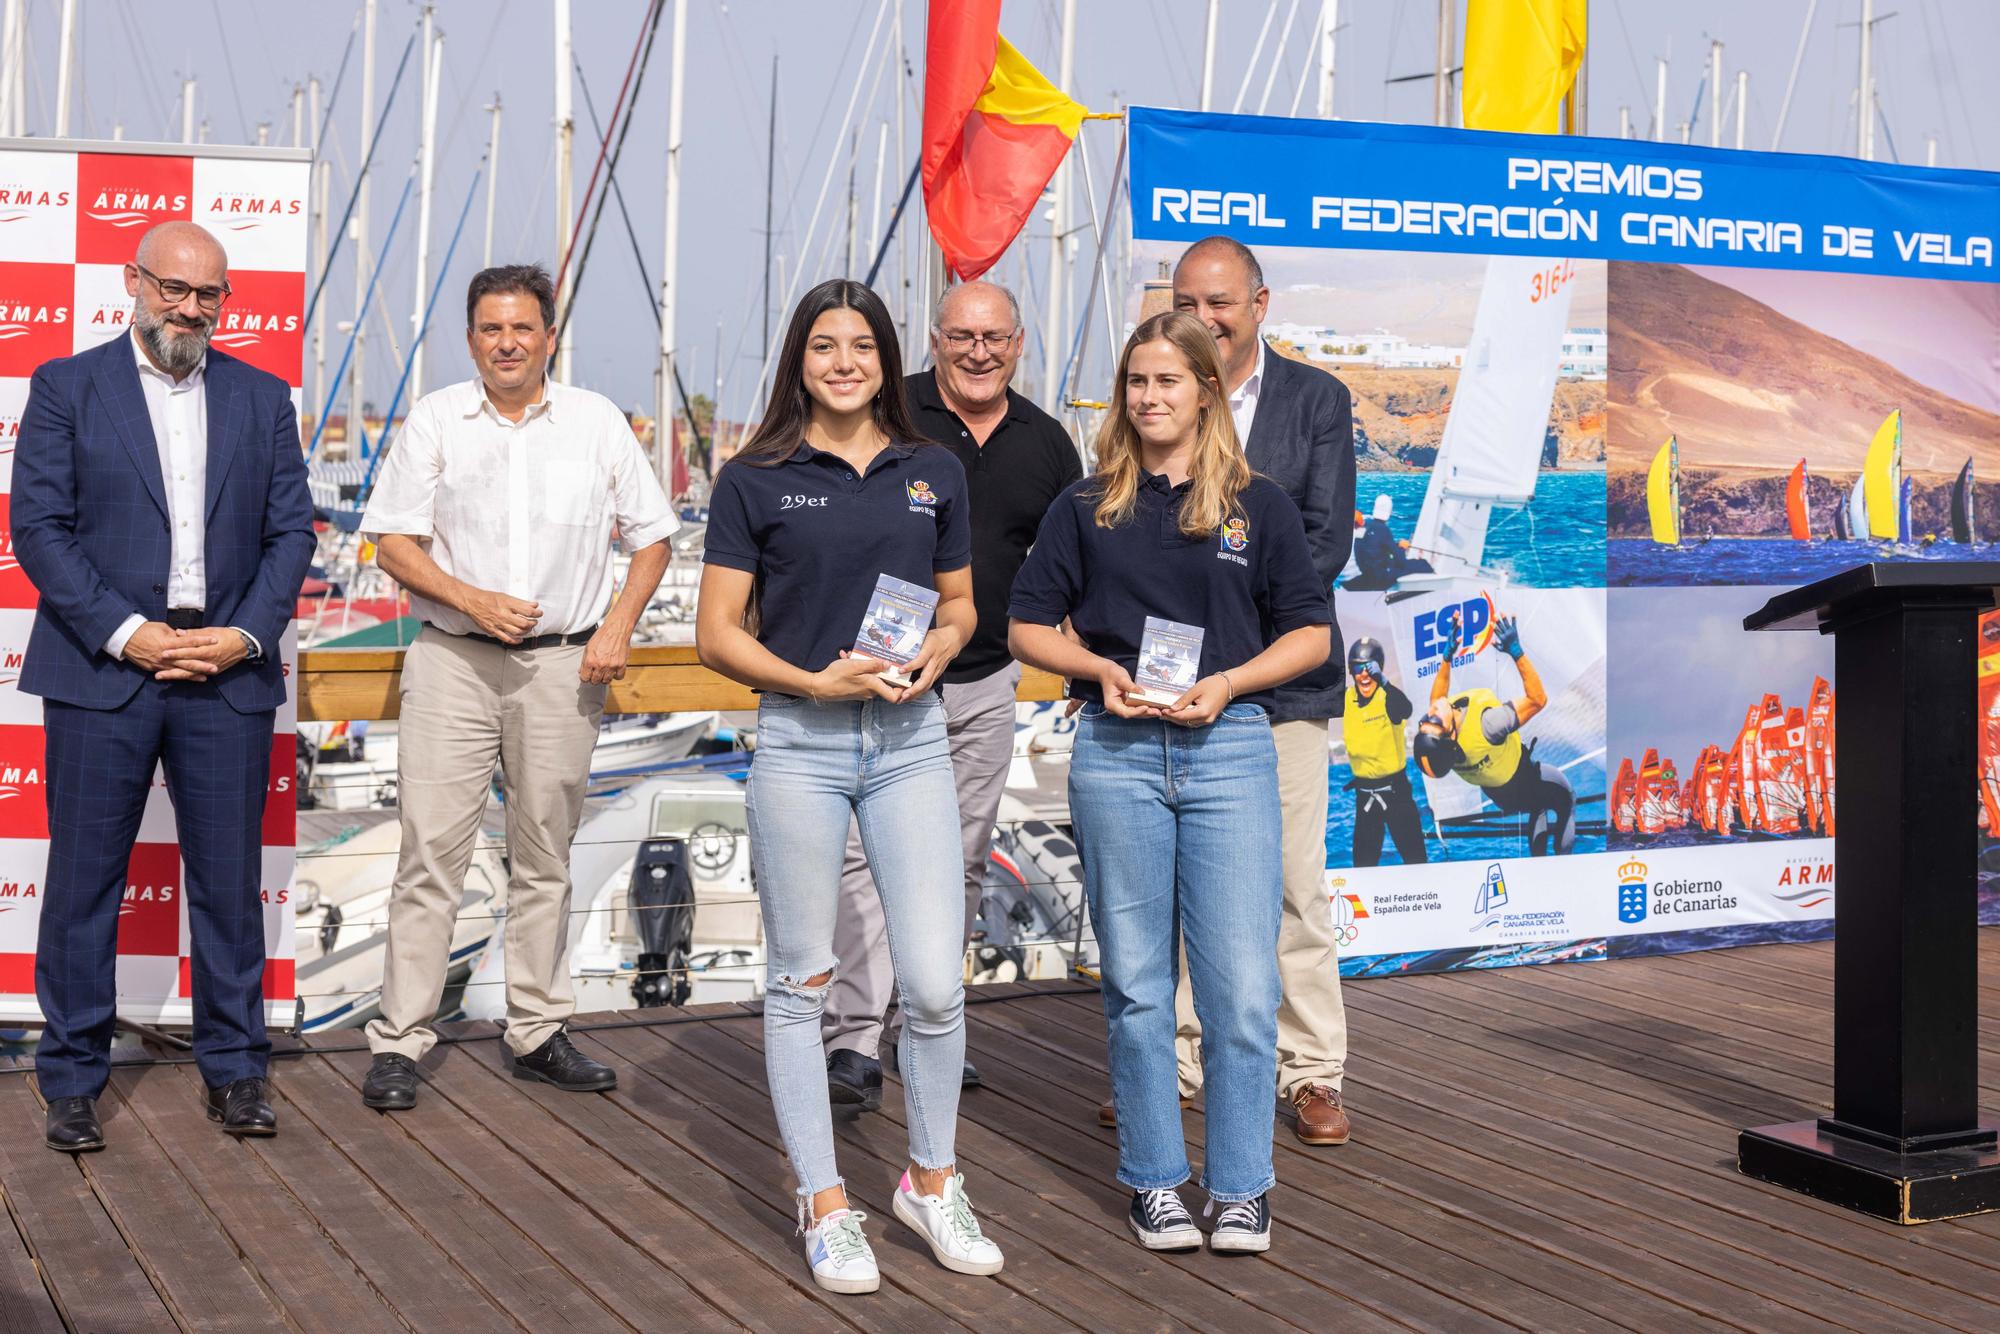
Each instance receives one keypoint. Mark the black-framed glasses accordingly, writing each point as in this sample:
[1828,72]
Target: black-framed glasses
[173,291]
[958,340]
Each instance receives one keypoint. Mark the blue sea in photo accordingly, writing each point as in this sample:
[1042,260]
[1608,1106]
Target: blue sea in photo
[1641,563]
[1556,541]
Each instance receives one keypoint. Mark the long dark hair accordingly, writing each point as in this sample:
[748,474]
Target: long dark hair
[783,429]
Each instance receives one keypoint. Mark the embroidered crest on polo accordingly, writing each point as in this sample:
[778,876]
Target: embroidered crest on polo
[921,496]
[1236,533]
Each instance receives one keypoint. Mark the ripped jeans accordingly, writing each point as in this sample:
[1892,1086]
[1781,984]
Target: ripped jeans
[888,767]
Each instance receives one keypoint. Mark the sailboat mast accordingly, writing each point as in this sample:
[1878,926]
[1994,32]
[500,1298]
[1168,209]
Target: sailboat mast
[433,57]
[1660,103]
[663,422]
[1207,53]
[1715,94]
[356,394]
[1329,27]
[1742,102]
[318,178]
[1441,92]
[770,188]
[1864,90]
[65,74]
[560,361]
[492,178]
[1052,318]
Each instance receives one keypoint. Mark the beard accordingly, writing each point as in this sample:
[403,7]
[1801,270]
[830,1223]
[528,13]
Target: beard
[177,346]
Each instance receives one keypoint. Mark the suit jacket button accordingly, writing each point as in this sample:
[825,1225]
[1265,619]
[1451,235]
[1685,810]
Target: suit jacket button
[159,588]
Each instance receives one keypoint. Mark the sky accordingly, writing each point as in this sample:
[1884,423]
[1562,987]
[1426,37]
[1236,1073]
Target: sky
[247,55]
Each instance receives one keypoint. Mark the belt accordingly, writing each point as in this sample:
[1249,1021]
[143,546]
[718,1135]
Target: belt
[185,618]
[533,641]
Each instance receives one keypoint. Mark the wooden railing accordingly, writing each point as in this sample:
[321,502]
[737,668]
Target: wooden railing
[344,683]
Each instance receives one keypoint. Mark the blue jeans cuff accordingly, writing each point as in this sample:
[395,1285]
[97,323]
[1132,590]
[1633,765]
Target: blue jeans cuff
[1234,1197]
[1162,1184]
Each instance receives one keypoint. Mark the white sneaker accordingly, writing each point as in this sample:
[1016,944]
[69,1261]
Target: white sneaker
[947,1223]
[839,1254]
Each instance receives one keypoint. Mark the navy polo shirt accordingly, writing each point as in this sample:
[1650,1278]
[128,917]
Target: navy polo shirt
[1245,585]
[816,536]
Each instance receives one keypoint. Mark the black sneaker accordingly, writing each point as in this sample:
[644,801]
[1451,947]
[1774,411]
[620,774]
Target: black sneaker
[1162,1223]
[1241,1228]
[558,1062]
[853,1080]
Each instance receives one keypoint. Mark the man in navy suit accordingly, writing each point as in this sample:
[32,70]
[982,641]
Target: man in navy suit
[160,507]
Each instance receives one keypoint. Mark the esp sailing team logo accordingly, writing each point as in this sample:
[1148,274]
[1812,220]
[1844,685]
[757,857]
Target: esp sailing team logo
[920,493]
[1236,533]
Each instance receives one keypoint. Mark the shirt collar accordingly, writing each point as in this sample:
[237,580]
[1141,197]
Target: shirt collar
[192,380]
[902,449]
[477,402]
[1254,386]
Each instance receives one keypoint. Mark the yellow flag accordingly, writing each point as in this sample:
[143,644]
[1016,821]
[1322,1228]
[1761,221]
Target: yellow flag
[1521,56]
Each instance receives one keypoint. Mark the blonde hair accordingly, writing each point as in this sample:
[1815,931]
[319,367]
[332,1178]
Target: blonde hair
[1218,470]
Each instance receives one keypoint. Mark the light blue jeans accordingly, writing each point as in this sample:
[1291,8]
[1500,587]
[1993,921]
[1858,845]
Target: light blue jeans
[1179,834]
[887,767]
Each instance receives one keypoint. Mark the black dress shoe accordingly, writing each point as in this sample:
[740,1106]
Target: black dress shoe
[72,1125]
[853,1080]
[242,1108]
[391,1085]
[557,1062]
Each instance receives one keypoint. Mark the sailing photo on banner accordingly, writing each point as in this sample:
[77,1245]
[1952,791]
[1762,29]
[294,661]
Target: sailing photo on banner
[1773,427]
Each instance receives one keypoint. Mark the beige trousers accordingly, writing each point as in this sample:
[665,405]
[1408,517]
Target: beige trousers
[1312,1022]
[467,706]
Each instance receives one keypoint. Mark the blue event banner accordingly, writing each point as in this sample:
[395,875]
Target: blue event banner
[1359,185]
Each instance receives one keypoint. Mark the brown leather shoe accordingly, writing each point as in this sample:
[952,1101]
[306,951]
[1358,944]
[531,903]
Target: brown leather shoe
[1107,1111]
[1322,1120]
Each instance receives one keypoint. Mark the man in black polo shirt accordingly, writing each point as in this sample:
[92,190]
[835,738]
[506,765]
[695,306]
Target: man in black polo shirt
[1017,460]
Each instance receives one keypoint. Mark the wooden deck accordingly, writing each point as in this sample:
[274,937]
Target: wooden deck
[1540,1149]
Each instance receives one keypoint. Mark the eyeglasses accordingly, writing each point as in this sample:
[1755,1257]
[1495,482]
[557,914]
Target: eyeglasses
[958,340]
[173,291]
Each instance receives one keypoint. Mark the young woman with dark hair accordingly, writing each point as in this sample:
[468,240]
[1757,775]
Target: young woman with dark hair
[835,488]
[1176,806]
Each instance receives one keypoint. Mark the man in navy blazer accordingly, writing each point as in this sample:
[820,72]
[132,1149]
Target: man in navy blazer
[160,507]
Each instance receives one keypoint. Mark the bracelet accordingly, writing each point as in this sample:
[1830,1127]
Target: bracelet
[1230,686]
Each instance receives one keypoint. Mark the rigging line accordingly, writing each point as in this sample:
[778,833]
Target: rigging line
[423,328]
[812,226]
[1312,54]
[1256,54]
[1625,30]
[643,43]
[144,67]
[1278,56]
[1958,90]
[534,209]
[639,259]
[339,77]
[374,142]
[1791,83]
[367,297]
[629,99]
[499,25]
[229,67]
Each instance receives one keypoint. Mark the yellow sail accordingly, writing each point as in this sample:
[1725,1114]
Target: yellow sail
[1882,477]
[1663,494]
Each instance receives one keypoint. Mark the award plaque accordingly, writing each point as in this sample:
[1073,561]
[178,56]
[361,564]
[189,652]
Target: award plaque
[899,615]
[1169,662]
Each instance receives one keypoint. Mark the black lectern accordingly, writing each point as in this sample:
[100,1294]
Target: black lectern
[1905,1141]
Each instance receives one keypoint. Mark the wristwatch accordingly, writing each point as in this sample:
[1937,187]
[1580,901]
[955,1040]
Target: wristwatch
[251,653]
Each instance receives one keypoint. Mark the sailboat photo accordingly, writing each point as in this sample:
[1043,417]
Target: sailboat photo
[1963,525]
[1881,482]
[1797,520]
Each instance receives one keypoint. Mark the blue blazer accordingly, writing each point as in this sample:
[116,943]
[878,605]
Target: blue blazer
[89,514]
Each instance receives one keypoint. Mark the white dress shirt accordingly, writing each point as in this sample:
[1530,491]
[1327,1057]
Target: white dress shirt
[1243,403]
[179,413]
[524,508]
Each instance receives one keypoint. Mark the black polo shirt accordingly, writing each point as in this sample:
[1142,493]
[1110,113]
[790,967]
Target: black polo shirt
[1244,586]
[1012,480]
[816,536]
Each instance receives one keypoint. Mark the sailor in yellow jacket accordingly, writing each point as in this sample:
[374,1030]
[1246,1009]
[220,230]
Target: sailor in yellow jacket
[1372,729]
[1477,735]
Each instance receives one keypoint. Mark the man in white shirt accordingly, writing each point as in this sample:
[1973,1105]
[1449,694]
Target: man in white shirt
[496,509]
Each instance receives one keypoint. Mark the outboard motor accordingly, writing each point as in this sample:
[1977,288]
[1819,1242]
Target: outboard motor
[661,901]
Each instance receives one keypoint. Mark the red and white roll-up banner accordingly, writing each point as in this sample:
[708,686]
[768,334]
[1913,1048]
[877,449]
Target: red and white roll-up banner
[71,215]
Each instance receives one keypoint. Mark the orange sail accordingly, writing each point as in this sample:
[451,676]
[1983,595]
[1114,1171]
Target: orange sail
[1744,769]
[1795,503]
[1625,799]
[1819,756]
[1989,720]
[1781,737]
[1652,807]
[1712,797]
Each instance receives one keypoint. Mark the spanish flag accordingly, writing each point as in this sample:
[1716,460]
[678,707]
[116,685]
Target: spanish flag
[995,130]
[1521,57]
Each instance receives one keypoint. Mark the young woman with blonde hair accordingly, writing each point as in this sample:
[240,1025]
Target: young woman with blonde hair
[1174,525]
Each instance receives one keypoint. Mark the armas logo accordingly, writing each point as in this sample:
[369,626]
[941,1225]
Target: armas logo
[1804,884]
[1632,892]
[19,781]
[241,212]
[126,209]
[237,330]
[1430,633]
[18,202]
